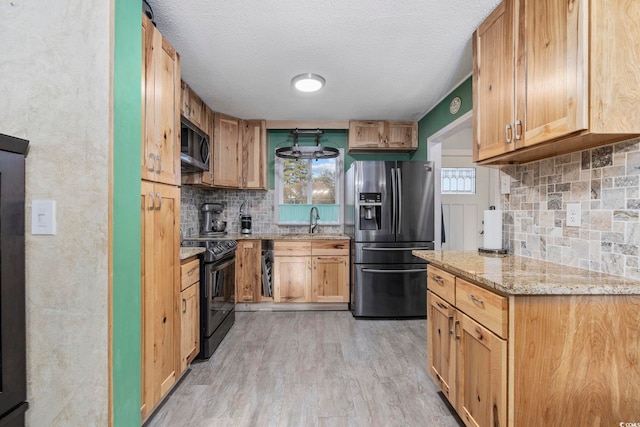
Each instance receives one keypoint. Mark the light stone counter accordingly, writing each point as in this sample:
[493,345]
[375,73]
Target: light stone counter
[515,275]
[188,252]
[268,236]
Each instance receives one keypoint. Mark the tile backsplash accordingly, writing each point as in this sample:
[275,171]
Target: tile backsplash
[606,183]
[259,204]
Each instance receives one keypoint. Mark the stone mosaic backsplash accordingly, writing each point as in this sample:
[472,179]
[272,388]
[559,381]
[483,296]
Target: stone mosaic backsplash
[606,183]
[259,204]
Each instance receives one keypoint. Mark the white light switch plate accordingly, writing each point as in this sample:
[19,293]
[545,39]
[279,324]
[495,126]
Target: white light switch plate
[505,184]
[574,215]
[43,217]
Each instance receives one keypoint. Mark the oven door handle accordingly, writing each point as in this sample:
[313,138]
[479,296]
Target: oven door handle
[217,267]
[410,270]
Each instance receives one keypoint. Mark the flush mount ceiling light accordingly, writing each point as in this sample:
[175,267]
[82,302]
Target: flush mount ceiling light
[308,82]
[307,151]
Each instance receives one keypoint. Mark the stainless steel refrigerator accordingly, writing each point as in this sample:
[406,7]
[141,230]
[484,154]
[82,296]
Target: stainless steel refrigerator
[389,212]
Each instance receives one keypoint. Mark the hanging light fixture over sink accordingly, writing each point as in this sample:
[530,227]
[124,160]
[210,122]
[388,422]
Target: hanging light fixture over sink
[297,151]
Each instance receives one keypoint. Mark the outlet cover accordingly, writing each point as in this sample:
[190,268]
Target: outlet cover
[574,215]
[505,184]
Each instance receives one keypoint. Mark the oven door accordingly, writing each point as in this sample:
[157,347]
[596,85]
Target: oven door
[218,293]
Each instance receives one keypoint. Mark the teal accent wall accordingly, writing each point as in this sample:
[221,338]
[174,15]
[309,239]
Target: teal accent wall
[439,116]
[126,292]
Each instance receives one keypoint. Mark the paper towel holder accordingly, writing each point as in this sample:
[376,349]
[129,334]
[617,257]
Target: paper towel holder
[492,251]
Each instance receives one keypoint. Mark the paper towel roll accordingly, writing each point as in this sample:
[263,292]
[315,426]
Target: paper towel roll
[492,229]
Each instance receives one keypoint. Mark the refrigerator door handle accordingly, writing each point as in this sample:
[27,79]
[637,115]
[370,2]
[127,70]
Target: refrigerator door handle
[382,271]
[415,248]
[399,180]
[393,199]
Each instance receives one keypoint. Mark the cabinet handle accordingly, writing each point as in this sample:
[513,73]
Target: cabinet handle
[152,205]
[442,306]
[518,126]
[507,133]
[191,271]
[159,158]
[159,201]
[456,328]
[450,322]
[476,299]
[438,279]
[184,305]
[152,162]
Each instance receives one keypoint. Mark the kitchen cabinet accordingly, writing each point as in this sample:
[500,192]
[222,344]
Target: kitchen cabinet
[190,311]
[160,209]
[249,271]
[554,77]
[227,152]
[160,107]
[311,271]
[467,347]
[254,155]
[379,135]
[193,108]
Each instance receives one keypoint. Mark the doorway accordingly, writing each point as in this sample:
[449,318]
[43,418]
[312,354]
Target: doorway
[460,221]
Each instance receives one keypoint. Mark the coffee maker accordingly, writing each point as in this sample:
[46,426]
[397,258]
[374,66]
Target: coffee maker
[245,220]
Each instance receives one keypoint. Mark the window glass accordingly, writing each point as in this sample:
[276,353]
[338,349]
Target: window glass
[458,181]
[302,184]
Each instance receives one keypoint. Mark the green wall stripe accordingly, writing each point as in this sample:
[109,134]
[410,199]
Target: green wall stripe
[439,116]
[126,293]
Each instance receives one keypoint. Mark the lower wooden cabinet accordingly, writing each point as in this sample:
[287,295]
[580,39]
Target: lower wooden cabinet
[311,271]
[249,271]
[160,206]
[189,312]
[466,359]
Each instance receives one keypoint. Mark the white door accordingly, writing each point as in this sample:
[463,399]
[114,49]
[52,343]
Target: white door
[463,213]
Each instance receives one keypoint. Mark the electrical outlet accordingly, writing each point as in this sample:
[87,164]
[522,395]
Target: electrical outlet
[574,215]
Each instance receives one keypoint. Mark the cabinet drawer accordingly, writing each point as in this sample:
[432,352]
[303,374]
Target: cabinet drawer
[189,273]
[330,247]
[487,308]
[291,248]
[441,283]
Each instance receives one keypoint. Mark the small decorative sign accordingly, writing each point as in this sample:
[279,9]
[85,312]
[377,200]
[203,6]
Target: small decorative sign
[454,107]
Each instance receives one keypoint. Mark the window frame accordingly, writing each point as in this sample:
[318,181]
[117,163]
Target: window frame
[279,189]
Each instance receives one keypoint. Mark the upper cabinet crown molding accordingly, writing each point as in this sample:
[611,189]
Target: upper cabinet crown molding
[554,77]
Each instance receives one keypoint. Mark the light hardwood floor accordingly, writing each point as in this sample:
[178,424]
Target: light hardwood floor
[311,369]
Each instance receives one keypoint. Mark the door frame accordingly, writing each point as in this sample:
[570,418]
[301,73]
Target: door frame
[434,150]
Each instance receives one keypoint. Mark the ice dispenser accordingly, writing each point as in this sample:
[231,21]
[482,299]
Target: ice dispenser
[370,211]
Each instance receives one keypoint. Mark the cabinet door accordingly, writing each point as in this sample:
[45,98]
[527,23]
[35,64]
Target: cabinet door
[147,88]
[254,152]
[160,206]
[493,83]
[552,76]
[227,133]
[189,325]
[249,271]
[401,135]
[365,134]
[330,281]
[441,345]
[292,279]
[481,372]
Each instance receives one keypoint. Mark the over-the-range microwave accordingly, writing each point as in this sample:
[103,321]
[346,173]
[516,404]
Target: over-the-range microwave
[194,147]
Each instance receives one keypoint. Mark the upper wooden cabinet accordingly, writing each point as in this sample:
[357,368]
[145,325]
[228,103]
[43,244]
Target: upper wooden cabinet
[227,140]
[254,155]
[553,77]
[160,107]
[193,108]
[379,135]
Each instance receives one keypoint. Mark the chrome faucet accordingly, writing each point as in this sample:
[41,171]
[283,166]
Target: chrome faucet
[313,220]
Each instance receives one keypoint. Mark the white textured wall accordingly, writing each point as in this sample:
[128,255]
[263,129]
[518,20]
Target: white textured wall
[54,91]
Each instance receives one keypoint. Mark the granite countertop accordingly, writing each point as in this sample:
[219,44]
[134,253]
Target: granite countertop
[515,275]
[268,236]
[188,252]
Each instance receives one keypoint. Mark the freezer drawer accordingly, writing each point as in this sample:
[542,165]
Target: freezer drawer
[390,253]
[390,290]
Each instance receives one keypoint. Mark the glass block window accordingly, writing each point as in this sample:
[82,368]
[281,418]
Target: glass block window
[458,181]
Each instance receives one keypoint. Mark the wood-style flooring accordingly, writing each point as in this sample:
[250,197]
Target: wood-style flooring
[311,369]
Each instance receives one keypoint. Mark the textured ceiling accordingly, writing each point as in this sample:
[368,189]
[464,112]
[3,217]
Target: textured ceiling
[382,59]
